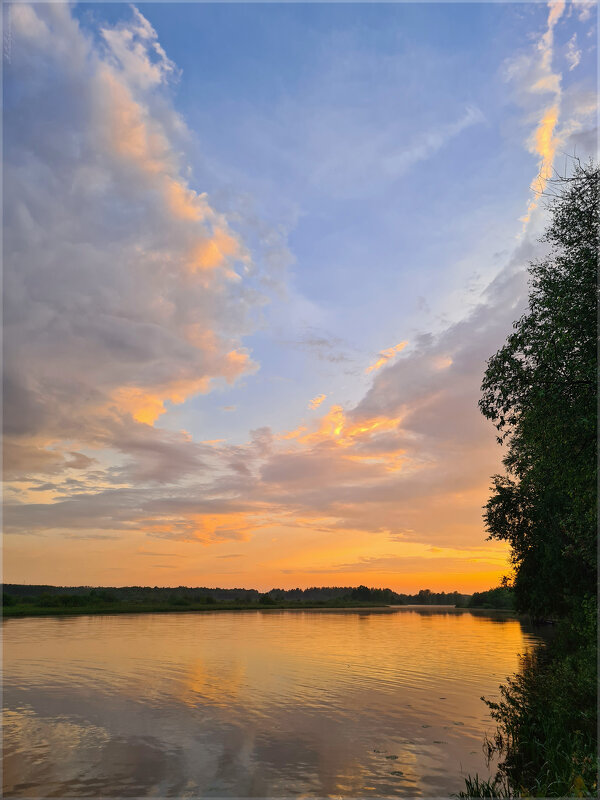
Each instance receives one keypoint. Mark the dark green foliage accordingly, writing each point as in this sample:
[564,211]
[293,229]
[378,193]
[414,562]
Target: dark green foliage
[49,601]
[204,598]
[501,597]
[99,597]
[547,717]
[176,600]
[540,391]
[184,596]
[361,593]
[103,596]
[428,598]
[481,787]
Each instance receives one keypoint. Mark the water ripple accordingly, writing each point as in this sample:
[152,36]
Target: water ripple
[265,704]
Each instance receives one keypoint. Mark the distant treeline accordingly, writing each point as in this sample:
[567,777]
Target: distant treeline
[76,596]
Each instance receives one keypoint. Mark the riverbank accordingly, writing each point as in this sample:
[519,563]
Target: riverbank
[546,737]
[160,608]
[75,605]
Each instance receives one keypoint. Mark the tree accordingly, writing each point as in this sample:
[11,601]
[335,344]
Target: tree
[362,593]
[540,391]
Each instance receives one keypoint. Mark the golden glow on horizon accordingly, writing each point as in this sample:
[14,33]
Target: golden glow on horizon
[262,557]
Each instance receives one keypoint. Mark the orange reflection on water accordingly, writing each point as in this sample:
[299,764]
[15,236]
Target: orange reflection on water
[317,703]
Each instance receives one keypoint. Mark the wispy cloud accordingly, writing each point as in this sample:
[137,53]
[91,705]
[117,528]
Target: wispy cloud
[585,9]
[385,355]
[558,115]
[573,53]
[316,401]
[323,346]
[430,142]
[543,141]
[368,156]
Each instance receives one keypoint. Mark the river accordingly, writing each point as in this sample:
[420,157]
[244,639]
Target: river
[260,703]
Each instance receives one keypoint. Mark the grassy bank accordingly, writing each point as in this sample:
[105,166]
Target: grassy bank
[546,739]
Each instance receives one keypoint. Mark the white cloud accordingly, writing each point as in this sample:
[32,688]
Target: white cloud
[585,10]
[363,155]
[122,283]
[573,55]
[136,52]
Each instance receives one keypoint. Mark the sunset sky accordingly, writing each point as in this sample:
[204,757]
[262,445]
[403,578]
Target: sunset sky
[255,260]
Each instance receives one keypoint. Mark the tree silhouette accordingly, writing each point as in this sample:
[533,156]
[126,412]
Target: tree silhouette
[540,391]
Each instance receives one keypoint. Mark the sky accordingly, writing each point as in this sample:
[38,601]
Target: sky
[256,257]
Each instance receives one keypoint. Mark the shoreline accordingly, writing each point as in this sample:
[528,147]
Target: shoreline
[12,612]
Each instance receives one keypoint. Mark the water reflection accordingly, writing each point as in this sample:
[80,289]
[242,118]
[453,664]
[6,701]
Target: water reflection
[269,703]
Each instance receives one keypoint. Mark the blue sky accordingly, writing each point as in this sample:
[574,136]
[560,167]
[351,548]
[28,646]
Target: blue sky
[221,215]
[315,116]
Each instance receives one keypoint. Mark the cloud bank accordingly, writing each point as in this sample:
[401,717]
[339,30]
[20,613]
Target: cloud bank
[124,288]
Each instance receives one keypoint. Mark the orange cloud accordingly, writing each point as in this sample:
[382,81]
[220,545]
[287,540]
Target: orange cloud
[214,251]
[128,133]
[143,406]
[385,356]
[147,405]
[442,362]
[140,143]
[185,203]
[236,363]
[204,528]
[295,434]
[335,427]
[316,401]
[543,142]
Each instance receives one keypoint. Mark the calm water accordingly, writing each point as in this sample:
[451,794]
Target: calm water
[269,704]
